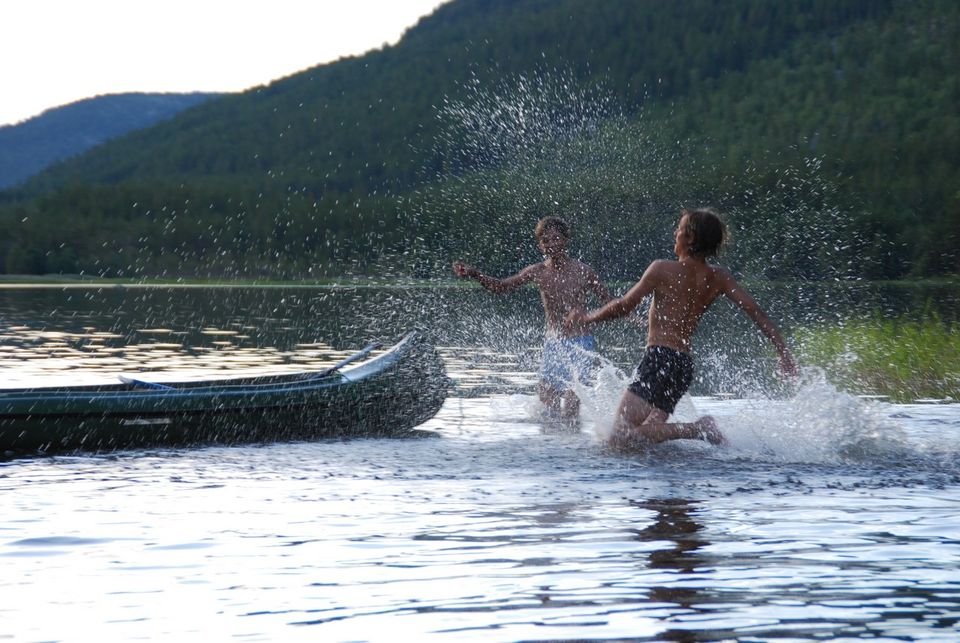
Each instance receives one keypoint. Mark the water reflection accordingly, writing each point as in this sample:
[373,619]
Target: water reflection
[674,525]
[495,532]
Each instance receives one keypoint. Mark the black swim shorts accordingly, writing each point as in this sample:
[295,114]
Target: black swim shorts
[663,376]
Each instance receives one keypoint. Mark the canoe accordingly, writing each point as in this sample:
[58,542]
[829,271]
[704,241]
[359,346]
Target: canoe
[388,395]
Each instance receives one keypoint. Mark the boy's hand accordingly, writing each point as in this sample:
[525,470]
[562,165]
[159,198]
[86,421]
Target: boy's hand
[462,270]
[787,366]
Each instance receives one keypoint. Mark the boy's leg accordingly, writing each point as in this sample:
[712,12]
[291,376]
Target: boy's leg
[638,424]
[705,428]
[631,414]
[550,397]
[581,363]
[571,405]
[552,375]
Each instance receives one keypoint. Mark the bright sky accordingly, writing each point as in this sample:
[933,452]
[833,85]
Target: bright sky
[54,52]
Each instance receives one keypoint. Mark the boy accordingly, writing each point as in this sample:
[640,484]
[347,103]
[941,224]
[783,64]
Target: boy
[682,291]
[564,283]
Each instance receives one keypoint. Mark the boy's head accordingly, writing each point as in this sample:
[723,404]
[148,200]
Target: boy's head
[552,223]
[552,235]
[705,229]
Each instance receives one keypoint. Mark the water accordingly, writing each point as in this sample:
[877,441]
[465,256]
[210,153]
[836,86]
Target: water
[828,517]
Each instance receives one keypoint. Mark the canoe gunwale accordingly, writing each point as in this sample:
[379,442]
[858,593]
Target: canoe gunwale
[388,395]
[210,395]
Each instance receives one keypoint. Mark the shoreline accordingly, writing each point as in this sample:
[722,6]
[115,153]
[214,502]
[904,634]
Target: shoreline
[25,282]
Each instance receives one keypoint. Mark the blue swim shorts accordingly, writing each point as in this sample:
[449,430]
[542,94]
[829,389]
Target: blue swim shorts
[566,359]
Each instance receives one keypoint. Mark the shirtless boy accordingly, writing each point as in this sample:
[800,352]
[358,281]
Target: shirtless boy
[682,292]
[564,285]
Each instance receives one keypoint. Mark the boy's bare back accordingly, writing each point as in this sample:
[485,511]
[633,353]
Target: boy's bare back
[682,292]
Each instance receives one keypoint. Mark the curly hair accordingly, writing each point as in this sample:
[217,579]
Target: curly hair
[552,223]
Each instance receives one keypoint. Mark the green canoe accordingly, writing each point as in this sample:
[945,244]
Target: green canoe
[388,395]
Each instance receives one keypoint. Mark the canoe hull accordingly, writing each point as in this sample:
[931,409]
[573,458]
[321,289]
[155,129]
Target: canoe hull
[387,396]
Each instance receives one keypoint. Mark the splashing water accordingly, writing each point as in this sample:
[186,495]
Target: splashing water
[547,144]
[817,424]
[599,401]
[521,118]
[540,144]
[550,143]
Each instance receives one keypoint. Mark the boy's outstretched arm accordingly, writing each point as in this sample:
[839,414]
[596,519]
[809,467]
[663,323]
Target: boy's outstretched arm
[493,284]
[745,302]
[621,306]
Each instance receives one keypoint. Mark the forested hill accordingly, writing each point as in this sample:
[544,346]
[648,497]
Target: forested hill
[58,133]
[827,131]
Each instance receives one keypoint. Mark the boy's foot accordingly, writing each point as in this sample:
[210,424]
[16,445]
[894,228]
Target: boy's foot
[709,430]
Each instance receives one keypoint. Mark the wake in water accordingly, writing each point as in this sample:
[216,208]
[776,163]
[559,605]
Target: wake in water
[818,423]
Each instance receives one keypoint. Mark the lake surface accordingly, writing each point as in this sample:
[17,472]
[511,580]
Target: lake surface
[828,517]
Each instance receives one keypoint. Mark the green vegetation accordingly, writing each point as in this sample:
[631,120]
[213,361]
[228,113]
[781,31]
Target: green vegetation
[904,358]
[826,130]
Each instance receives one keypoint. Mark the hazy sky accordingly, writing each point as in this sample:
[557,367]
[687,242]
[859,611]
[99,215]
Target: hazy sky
[54,52]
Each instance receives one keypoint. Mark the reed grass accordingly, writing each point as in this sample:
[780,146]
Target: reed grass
[903,358]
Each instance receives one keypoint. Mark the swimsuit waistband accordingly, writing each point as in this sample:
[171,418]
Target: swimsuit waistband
[661,347]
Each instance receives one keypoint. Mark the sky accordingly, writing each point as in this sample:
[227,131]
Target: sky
[54,52]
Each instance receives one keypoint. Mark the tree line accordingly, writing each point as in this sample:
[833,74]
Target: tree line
[828,132]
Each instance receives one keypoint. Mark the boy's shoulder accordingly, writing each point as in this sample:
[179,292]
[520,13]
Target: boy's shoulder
[725,279]
[722,272]
[671,268]
[585,271]
[534,269]
[582,265]
[663,265]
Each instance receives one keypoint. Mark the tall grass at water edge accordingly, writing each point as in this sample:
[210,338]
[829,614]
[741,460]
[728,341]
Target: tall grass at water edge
[905,358]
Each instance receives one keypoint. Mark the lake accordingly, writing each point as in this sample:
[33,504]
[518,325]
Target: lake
[828,517]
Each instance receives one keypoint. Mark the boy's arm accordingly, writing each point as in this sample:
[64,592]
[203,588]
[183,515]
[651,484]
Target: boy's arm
[635,316]
[735,293]
[493,284]
[622,306]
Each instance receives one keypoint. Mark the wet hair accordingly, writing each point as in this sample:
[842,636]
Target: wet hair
[552,223]
[708,230]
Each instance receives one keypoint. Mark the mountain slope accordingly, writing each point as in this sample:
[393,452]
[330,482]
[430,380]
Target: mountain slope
[59,133]
[371,108]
